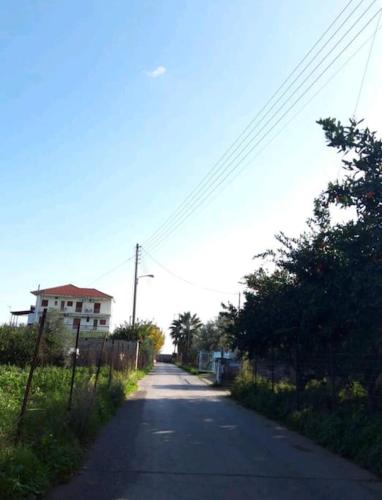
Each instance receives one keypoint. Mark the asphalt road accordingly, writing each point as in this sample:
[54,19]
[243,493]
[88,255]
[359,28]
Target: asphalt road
[179,439]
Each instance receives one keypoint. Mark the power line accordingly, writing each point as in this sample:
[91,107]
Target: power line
[208,289]
[198,191]
[249,126]
[210,184]
[267,144]
[113,269]
[191,209]
[367,64]
[159,240]
[309,101]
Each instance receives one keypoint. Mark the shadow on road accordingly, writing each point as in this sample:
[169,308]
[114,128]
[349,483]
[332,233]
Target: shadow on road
[180,440]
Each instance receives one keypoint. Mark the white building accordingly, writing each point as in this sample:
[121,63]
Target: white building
[87,307]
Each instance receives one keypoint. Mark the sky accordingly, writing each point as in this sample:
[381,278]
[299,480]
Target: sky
[112,112]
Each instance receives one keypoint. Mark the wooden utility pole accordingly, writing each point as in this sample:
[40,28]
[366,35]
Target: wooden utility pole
[137,250]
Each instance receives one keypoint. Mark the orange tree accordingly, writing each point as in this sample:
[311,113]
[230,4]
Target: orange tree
[324,292]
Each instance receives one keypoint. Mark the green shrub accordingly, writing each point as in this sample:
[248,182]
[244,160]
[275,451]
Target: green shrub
[22,474]
[17,343]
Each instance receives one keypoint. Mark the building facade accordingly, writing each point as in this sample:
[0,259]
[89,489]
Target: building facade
[87,307]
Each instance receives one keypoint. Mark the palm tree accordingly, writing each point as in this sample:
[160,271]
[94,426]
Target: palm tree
[182,331]
[175,333]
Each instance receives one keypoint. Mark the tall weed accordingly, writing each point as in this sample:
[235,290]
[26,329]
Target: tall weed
[52,439]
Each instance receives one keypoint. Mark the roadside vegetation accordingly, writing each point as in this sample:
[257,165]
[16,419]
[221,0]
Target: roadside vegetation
[189,369]
[310,329]
[52,438]
[17,343]
[191,336]
[150,336]
[348,429]
[183,331]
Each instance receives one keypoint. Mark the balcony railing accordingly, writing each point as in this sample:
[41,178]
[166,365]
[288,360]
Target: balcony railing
[84,314]
[71,311]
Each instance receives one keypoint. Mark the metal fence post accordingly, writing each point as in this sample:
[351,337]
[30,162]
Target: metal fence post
[74,368]
[30,376]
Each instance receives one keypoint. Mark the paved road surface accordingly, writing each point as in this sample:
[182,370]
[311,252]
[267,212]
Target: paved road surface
[180,439]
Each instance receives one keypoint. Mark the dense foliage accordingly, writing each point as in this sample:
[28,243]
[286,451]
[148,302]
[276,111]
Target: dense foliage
[212,336]
[322,291]
[150,337]
[52,440]
[17,342]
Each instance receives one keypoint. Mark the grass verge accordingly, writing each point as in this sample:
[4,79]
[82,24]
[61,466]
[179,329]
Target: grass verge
[53,440]
[349,429]
[189,369]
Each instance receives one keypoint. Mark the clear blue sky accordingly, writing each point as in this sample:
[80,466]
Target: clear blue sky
[96,152]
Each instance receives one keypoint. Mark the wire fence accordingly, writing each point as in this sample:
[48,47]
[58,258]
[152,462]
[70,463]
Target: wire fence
[321,378]
[84,362]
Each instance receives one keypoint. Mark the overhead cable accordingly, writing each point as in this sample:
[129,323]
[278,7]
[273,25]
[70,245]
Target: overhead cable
[223,175]
[238,143]
[202,287]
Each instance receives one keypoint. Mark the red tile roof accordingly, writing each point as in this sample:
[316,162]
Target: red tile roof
[72,291]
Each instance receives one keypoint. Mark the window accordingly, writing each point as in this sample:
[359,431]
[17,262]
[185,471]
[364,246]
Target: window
[55,302]
[78,307]
[97,307]
[102,321]
[76,323]
[95,324]
[69,303]
[44,303]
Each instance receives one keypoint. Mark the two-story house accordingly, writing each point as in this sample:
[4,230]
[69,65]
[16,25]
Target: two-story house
[87,307]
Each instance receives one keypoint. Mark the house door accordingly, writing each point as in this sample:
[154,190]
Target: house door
[62,306]
[95,324]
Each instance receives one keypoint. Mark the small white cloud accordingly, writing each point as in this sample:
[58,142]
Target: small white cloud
[159,71]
